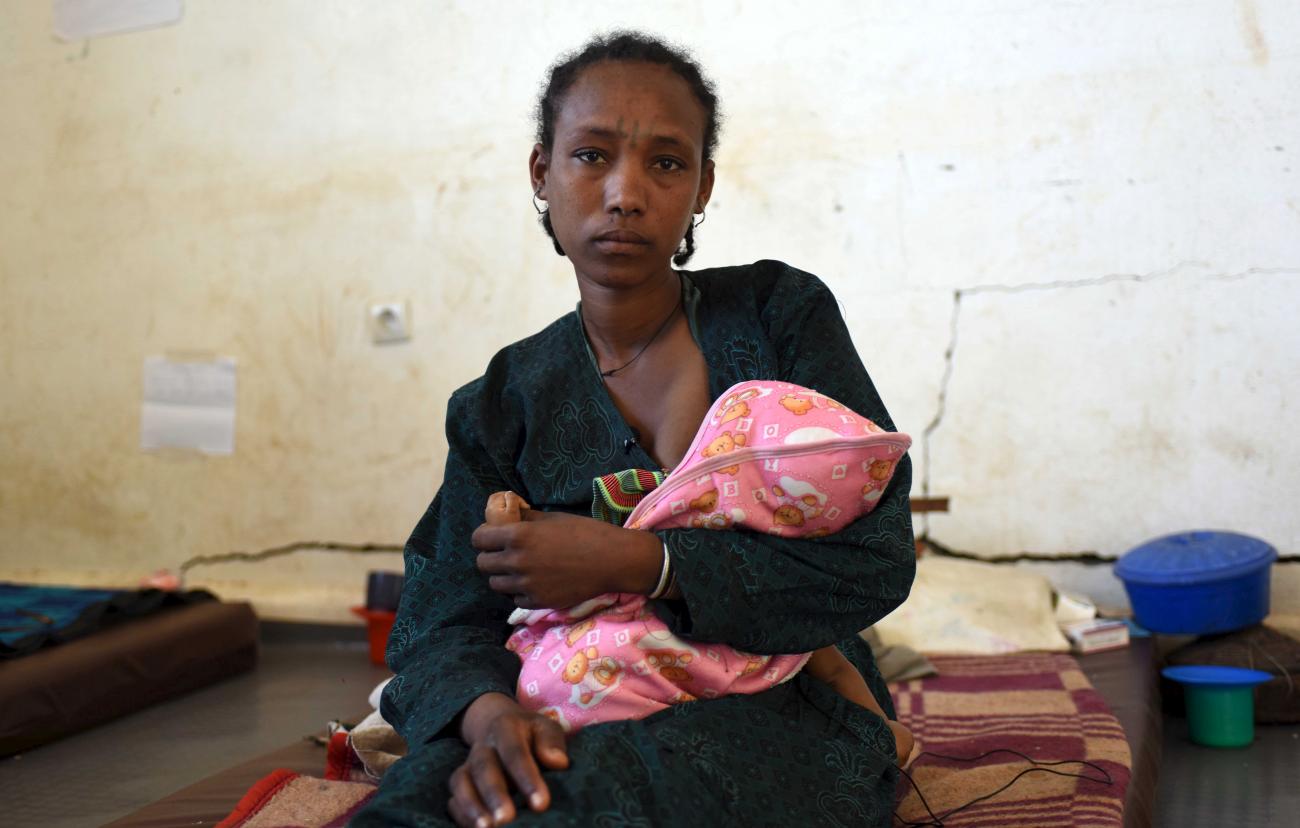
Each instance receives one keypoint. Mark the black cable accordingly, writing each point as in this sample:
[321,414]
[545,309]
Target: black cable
[612,371]
[1042,767]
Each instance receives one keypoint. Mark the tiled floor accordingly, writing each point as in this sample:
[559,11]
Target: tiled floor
[301,683]
[1246,788]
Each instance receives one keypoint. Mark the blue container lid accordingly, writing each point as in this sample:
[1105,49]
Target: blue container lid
[1205,675]
[1194,557]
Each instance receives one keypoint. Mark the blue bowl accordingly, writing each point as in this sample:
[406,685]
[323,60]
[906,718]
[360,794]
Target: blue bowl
[1196,583]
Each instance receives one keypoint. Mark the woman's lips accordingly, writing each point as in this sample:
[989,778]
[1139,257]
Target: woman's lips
[621,242]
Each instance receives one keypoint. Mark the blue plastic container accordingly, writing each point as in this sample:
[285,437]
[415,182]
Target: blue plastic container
[1194,583]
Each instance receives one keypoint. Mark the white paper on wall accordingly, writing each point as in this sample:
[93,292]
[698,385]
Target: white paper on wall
[189,404]
[80,19]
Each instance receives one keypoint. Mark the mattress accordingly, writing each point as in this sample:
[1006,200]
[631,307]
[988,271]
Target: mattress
[981,720]
[63,689]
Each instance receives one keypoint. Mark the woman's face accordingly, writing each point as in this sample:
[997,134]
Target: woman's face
[624,173]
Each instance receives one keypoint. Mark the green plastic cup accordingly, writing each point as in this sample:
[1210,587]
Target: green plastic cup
[1220,702]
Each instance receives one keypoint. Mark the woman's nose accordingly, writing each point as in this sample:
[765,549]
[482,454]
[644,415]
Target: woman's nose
[625,190]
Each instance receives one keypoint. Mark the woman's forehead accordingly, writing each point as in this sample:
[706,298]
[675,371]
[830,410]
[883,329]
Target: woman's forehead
[631,100]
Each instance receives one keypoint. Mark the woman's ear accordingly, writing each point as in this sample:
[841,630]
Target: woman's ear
[706,187]
[538,163]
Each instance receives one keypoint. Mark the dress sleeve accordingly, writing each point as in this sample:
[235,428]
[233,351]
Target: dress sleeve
[767,594]
[447,645]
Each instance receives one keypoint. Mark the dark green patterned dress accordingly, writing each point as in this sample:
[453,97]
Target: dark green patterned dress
[540,422]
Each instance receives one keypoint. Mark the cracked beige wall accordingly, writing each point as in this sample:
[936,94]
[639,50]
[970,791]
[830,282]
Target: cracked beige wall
[245,182]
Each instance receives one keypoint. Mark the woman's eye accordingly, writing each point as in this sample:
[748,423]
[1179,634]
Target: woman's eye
[669,164]
[587,156]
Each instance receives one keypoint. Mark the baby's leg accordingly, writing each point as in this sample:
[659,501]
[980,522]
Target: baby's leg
[504,507]
[829,665]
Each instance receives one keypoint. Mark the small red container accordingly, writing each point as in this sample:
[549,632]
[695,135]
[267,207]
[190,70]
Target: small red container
[379,623]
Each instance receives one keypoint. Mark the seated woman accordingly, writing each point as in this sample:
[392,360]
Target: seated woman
[627,131]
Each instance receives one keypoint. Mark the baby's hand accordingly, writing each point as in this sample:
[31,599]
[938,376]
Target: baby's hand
[503,508]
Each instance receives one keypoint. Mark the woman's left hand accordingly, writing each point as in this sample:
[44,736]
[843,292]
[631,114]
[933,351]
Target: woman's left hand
[554,559]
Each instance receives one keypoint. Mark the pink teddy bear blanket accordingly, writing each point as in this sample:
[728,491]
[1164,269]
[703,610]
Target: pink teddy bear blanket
[771,457]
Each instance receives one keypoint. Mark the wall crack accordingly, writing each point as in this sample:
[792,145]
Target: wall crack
[950,353]
[287,549]
[1111,278]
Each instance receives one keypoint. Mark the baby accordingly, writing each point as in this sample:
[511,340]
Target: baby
[595,678]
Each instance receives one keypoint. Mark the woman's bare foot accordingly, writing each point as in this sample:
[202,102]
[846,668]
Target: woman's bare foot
[903,742]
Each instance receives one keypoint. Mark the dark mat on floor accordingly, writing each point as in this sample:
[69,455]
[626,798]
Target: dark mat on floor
[67,688]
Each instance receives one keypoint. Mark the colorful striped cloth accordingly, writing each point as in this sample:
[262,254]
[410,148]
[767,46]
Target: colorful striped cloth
[284,798]
[1039,704]
[614,496]
[34,616]
[39,611]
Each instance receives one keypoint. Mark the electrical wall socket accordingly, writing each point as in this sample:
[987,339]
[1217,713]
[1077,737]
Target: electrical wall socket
[390,322]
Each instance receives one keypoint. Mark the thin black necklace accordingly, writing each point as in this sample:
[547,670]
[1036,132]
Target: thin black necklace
[662,326]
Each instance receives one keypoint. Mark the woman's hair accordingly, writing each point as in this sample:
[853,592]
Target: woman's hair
[629,47]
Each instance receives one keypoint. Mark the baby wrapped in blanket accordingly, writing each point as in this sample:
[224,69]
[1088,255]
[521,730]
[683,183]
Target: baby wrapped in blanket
[771,457]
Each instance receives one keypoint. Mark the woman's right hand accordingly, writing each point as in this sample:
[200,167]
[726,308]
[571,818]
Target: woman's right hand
[508,746]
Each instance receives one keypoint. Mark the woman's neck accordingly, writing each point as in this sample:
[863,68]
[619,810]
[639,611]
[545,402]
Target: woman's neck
[620,318]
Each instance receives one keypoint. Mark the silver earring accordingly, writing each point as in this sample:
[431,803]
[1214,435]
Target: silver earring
[535,207]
